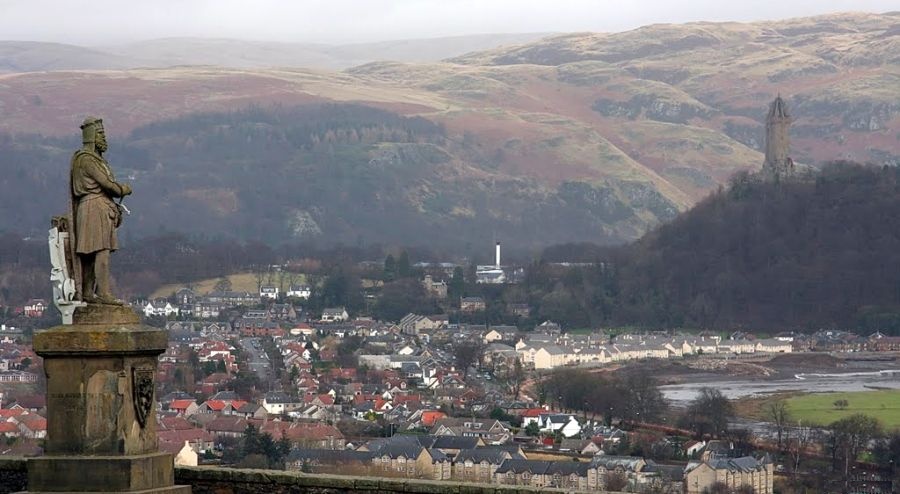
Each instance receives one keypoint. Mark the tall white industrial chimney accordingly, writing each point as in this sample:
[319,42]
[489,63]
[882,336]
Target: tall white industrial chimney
[497,256]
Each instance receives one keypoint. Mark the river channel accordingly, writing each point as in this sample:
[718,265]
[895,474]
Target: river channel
[681,394]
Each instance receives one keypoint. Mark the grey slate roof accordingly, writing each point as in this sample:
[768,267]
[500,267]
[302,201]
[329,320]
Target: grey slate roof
[629,463]
[396,449]
[437,455]
[559,418]
[566,468]
[743,464]
[535,467]
[513,449]
[277,397]
[225,395]
[477,455]
[454,442]
[249,408]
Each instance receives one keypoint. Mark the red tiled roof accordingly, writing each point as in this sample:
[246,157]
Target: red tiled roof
[7,427]
[180,404]
[175,423]
[217,378]
[180,436]
[314,432]
[170,447]
[235,404]
[6,413]
[34,422]
[31,401]
[227,423]
[401,398]
[215,405]
[429,417]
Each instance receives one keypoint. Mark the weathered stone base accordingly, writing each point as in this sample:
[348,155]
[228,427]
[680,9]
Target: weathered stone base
[100,386]
[109,315]
[101,419]
[101,473]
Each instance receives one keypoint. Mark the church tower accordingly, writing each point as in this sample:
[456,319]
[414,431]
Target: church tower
[778,123]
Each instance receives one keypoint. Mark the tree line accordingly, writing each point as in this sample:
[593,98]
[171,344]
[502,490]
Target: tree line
[632,396]
[808,254]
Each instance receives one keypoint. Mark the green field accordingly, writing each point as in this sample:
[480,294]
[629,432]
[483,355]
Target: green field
[818,408]
[240,282]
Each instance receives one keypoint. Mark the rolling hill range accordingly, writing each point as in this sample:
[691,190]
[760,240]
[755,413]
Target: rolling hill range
[579,137]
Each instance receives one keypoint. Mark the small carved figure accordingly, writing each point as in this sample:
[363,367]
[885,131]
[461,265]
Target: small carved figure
[95,213]
[61,274]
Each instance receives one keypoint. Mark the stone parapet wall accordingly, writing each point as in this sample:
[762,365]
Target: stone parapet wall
[205,480]
[212,480]
[13,474]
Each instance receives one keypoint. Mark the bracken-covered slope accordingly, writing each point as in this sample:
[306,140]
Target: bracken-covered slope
[840,74]
[593,137]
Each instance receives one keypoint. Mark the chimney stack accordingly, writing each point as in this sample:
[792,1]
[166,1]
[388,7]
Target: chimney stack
[497,257]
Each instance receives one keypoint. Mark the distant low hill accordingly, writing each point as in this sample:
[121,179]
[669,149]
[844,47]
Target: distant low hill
[29,56]
[593,137]
[25,56]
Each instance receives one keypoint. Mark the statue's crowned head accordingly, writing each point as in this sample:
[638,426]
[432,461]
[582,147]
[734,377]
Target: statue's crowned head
[92,133]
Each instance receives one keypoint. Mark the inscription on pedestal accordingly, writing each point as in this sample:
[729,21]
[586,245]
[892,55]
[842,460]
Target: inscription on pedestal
[102,404]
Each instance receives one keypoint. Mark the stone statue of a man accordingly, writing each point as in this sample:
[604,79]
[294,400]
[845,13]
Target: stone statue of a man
[95,213]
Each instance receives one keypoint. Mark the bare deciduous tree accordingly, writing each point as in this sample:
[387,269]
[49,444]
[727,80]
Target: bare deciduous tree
[616,481]
[467,354]
[777,413]
[797,445]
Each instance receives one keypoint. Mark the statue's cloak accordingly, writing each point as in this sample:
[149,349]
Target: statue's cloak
[95,214]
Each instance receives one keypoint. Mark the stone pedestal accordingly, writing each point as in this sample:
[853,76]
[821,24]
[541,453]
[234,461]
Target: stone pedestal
[101,408]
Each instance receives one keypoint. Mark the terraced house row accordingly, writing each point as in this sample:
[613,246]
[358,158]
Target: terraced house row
[469,459]
[542,353]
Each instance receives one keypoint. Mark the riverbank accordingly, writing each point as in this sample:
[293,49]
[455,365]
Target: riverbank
[780,375]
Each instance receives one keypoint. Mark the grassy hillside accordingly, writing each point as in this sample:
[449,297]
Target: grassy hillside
[240,282]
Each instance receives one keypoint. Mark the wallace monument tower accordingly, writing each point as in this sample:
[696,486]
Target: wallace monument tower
[101,362]
[778,163]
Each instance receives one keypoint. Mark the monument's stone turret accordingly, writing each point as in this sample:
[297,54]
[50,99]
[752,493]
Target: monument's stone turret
[101,363]
[778,163]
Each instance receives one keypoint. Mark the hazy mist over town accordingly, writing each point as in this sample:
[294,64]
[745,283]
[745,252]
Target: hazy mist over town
[647,246]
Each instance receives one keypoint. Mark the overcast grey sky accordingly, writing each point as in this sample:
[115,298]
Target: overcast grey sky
[348,21]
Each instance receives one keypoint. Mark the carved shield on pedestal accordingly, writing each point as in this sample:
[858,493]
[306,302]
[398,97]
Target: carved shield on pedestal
[142,394]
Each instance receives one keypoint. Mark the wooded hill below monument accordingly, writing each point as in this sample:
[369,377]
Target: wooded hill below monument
[817,253]
[580,137]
